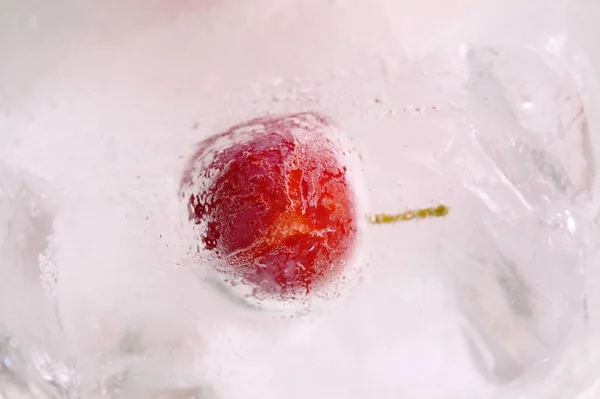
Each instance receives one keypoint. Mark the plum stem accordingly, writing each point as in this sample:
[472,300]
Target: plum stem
[411,214]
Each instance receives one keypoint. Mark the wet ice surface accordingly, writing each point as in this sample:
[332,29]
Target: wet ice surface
[100,294]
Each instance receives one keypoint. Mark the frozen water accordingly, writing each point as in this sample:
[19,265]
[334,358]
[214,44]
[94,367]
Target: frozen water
[102,103]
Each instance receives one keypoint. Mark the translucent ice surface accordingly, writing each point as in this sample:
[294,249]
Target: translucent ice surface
[489,108]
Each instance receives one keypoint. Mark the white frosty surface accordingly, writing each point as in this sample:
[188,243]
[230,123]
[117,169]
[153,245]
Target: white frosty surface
[101,104]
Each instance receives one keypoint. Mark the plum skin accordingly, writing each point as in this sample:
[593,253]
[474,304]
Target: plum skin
[275,205]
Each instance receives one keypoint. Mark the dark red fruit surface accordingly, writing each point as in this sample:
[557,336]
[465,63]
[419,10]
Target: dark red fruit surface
[273,203]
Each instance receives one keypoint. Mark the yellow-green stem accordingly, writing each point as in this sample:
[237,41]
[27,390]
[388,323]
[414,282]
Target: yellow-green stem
[411,214]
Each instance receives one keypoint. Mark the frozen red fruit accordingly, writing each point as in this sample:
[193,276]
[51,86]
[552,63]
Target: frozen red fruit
[273,203]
